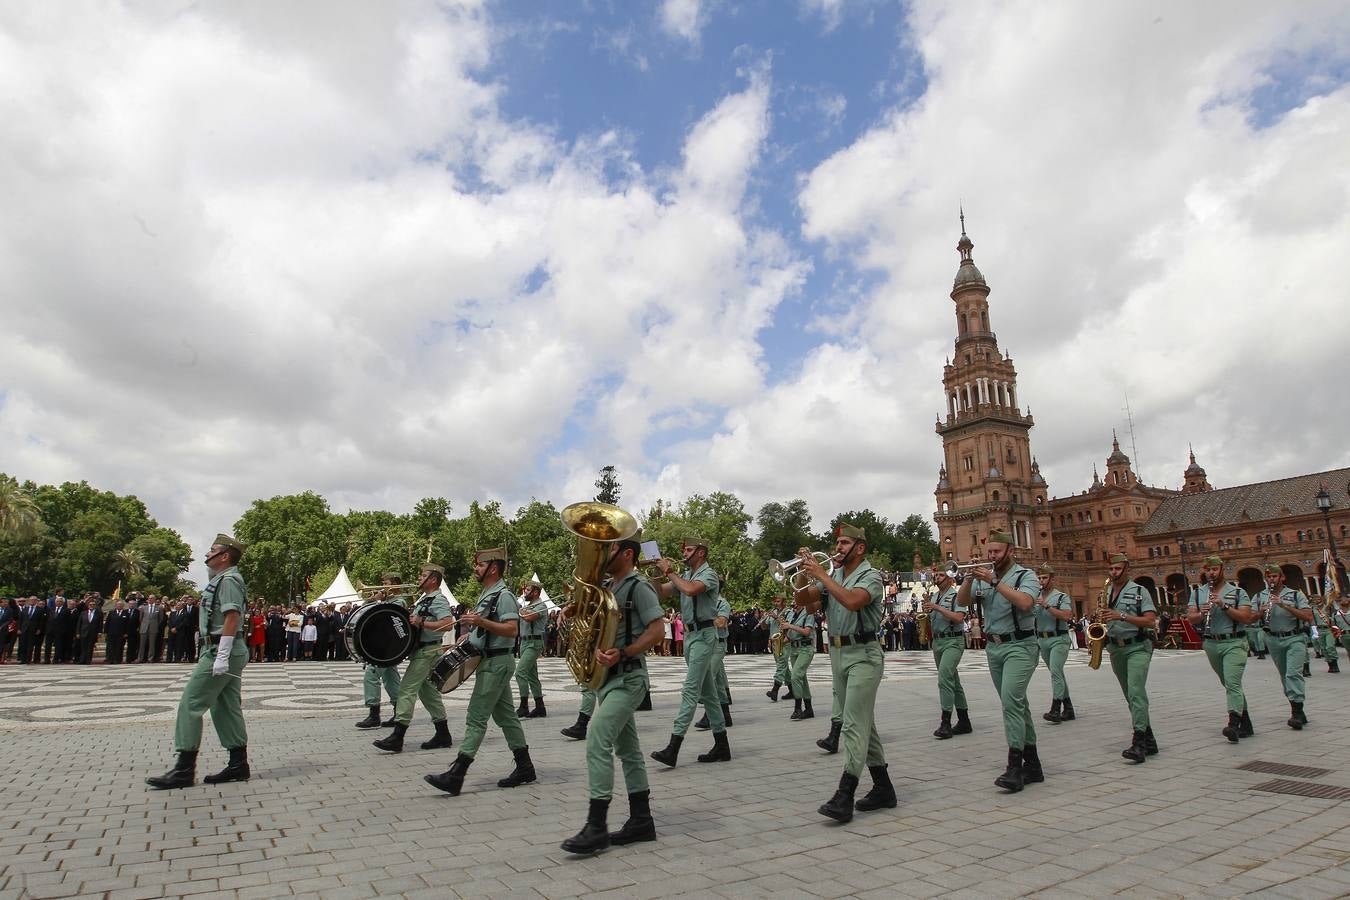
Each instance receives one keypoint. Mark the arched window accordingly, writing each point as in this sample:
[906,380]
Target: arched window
[984,320]
[995,496]
[1321,535]
[945,506]
[1279,538]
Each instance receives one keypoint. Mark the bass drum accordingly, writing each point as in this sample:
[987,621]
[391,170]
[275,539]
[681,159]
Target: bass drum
[379,633]
[455,666]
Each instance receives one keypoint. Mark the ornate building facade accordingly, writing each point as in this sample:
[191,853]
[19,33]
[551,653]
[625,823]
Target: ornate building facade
[989,481]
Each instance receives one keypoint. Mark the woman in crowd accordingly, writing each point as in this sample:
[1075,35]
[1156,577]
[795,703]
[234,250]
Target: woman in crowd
[670,634]
[9,628]
[677,631]
[257,634]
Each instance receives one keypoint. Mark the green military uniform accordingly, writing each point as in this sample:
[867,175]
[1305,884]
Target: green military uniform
[1286,638]
[720,653]
[220,695]
[1225,644]
[587,702]
[1011,650]
[800,651]
[492,681]
[426,651]
[1052,639]
[948,641]
[1256,640]
[1340,617]
[855,666]
[527,667]
[780,665]
[613,730]
[700,648]
[1131,650]
[373,676]
[1326,640]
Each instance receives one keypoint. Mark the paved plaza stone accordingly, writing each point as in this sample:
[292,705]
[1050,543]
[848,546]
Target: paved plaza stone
[326,815]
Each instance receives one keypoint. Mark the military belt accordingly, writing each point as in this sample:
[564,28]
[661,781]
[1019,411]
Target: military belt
[1050,634]
[1223,637]
[1017,635]
[852,640]
[948,633]
[498,652]
[1284,633]
[533,637]
[697,625]
[1125,642]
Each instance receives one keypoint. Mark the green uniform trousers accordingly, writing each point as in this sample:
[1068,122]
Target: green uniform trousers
[1289,654]
[1010,666]
[780,666]
[720,671]
[798,665]
[527,668]
[947,653]
[370,684]
[587,701]
[1228,659]
[1328,641]
[1054,651]
[217,694]
[1256,640]
[613,732]
[1130,664]
[1345,642]
[700,684]
[492,697]
[857,675]
[415,686]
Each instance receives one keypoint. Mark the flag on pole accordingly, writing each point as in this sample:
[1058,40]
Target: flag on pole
[1331,585]
[117,591]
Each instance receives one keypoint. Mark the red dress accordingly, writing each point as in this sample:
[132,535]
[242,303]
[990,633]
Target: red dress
[257,635]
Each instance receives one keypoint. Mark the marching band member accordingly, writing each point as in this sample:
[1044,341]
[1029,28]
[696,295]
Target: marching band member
[947,638]
[1130,619]
[1221,608]
[374,675]
[1054,615]
[614,730]
[773,620]
[1325,637]
[799,650]
[493,623]
[532,628]
[699,589]
[1007,591]
[1340,618]
[1285,614]
[431,618]
[719,667]
[853,614]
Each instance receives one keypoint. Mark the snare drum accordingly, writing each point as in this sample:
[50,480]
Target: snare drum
[379,633]
[455,666]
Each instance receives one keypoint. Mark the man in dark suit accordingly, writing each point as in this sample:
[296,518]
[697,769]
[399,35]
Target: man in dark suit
[174,642]
[340,627]
[55,633]
[190,629]
[90,626]
[116,628]
[32,628]
[276,634]
[324,625]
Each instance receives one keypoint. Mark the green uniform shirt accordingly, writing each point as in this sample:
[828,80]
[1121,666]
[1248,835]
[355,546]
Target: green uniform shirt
[806,620]
[1059,600]
[537,628]
[224,592]
[498,604]
[705,604]
[431,606]
[639,606]
[1230,595]
[1132,600]
[1275,618]
[1341,620]
[999,615]
[940,625]
[724,609]
[844,622]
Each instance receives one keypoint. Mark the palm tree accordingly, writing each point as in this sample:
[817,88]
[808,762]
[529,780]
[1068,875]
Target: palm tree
[128,563]
[19,513]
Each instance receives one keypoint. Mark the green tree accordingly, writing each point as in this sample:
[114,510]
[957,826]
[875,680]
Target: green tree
[290,538]
[721,520]
[543,545]
[919,532]
[128,563]
[783,529]
[607,486]
[20,516]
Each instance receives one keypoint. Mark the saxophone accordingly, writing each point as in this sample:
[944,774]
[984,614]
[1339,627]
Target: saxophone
[593,612]
[921,623]
[1096,630]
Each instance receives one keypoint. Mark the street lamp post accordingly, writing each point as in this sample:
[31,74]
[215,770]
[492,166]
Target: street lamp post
[1324,504]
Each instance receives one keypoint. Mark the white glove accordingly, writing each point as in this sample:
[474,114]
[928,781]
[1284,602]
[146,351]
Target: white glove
[222,664]
[1312,632]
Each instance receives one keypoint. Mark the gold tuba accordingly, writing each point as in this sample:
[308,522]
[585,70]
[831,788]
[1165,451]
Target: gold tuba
[594,616]
[1096,630]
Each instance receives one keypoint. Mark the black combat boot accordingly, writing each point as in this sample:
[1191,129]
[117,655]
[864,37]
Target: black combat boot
[1150,742]
[646,704]
[538,712]
[772,693]
[394,741]
[1333,665]
[1137,751]
[1245,730]
[441,739]
[1054,715]
[726,714]
[523,773]
[1066,713]
[1307,672]
[640,825]
[523,710]
[452,779]
[840,806]
[796,709]
[830,743]
[671,754]
[183,774]
[372,720]
[788,695]
[1011,779]
[577,730]
[962,725]
[1031,765]
[703,724]
[944,729]
[391,721]
[1233,729]
[1296,718]
[807,711]
[721,750]
[882,794]
[594,835]
[235,770]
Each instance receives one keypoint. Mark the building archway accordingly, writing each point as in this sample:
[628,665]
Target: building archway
[1251,580]
[1294,578]
[1178,591]
[1149,585]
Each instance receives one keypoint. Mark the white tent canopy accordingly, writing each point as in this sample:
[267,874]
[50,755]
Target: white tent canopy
[543,594]
[445,591]
[339,592]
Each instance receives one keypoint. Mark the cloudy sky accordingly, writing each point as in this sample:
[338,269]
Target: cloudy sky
[475,249]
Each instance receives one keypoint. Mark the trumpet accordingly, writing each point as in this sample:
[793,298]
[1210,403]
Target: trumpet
[956,571]
[788,571]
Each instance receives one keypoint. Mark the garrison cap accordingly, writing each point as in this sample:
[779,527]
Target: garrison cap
[391,576]
[693,540]
[487,556]
[853,532]
[1212,561]
[1119,558]
[432,569]
[1001,537]
[1272,569]
[1046,569]
[225,540]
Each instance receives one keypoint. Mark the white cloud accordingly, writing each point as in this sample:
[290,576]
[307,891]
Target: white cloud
[684,18]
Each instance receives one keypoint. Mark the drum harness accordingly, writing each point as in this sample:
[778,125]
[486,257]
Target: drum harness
[421,608]
[491,616]
[626,663]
